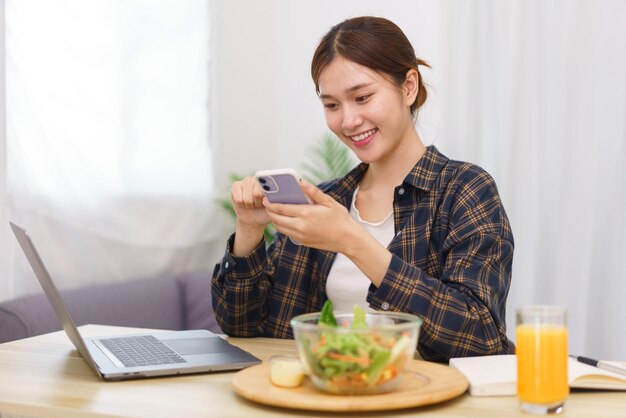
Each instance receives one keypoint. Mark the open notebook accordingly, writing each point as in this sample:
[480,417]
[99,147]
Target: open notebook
[497,375]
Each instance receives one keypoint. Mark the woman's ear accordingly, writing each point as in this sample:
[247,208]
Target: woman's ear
[411,86]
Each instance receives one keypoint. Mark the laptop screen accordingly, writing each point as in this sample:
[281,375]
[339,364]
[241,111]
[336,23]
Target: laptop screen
[51,292]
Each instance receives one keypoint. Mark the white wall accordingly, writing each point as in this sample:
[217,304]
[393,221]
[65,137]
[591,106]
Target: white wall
[267,111]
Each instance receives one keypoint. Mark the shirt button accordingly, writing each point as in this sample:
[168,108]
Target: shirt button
[401,191]
[385,306]
[226,264]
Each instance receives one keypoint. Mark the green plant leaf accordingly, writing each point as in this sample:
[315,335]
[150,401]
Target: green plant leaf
[329,159]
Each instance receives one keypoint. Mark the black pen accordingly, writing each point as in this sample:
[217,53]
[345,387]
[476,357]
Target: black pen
[605,365]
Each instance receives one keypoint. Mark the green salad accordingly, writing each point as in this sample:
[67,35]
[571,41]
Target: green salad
[356,360]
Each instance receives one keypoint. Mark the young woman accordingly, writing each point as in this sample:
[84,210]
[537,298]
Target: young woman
[406,230]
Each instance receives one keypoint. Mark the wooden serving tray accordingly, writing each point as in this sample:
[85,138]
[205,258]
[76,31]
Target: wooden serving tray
[424,383]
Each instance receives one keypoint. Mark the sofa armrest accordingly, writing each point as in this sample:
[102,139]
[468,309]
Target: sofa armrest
[197,305]
[153,303]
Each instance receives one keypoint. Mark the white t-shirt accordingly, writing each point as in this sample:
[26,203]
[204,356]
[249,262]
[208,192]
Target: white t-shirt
[346,285]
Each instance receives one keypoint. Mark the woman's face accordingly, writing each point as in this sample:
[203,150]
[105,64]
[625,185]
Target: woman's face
[368,112]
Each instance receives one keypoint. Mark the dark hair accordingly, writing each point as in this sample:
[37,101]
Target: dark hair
[372,42]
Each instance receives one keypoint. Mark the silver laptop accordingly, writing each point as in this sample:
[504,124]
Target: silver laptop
[136,356]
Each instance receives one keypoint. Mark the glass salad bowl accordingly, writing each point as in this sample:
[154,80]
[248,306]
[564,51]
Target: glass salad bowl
[355,353]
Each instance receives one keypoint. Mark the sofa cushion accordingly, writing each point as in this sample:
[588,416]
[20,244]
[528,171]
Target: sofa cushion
[198,309]
[153,303]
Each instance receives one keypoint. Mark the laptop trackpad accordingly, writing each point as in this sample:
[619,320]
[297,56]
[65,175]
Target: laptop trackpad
[188,346]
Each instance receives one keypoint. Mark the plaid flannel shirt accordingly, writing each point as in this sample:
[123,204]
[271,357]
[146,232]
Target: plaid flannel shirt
[451,265]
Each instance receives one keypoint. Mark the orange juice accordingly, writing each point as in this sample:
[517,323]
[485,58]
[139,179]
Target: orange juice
[542,363]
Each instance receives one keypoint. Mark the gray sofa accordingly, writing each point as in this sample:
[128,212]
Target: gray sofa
[173,303]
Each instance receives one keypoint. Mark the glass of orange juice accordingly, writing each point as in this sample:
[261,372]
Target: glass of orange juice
[542,385]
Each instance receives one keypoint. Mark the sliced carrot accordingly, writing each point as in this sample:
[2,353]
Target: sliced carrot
[362,361]
[320,343]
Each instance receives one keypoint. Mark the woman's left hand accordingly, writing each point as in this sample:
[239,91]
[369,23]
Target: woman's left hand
[325,224]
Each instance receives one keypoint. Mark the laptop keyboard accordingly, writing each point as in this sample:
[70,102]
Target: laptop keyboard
[141,351]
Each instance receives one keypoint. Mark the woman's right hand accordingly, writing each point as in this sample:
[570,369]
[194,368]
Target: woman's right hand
[247,199]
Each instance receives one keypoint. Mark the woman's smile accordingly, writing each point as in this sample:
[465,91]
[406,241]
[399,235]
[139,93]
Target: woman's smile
[364,138]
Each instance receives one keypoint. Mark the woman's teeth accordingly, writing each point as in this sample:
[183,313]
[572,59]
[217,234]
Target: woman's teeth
[364,135]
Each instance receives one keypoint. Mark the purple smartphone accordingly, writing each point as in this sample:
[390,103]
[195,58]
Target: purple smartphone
[282,186]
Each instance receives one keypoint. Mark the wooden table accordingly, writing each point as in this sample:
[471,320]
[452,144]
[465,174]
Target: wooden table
[45,376]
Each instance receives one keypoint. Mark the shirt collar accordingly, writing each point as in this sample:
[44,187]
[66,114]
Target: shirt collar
[426,171]
[422,176]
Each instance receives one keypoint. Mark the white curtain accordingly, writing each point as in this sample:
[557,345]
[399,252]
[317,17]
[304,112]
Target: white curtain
[535,91]
[108,156]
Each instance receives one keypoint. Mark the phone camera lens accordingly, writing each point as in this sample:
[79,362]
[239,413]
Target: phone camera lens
[262,180]
[266,188]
